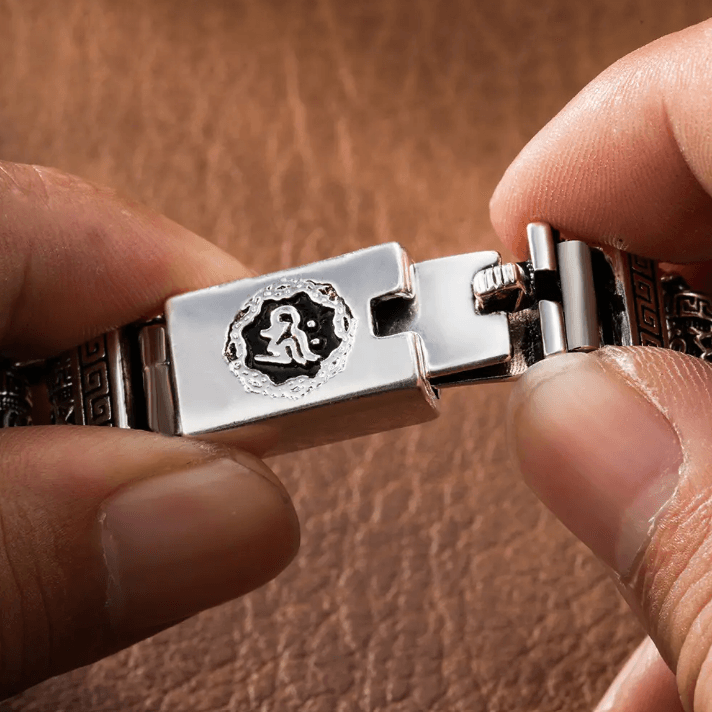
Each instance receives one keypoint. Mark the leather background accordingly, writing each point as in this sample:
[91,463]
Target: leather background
[293,130]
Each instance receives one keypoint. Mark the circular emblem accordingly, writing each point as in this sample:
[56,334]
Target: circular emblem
[290,338]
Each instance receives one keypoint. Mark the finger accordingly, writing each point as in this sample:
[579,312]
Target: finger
[77,260]
[644,684]
[618,444]
[107,536]
[628,161]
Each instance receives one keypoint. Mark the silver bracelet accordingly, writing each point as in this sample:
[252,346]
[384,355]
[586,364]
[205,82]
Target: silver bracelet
[360,343]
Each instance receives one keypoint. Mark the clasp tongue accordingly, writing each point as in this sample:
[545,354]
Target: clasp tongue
[455,336]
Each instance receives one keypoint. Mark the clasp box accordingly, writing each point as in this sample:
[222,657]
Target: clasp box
[296,359]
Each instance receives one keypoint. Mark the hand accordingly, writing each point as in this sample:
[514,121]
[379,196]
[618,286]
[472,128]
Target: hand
[618,443]
[107,536]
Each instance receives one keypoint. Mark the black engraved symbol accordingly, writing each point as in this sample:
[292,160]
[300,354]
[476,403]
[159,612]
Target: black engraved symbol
[290,337]
[287,342]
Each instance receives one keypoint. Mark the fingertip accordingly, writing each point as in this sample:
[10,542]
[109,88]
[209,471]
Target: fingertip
[598,453]
[80,259]
[508,219]
[113,535]
[626,162]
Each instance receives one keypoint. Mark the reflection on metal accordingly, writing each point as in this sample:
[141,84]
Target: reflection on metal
[578,296]
[500,288]
[157,385]
[396,326]
[553,333]
[358,344]
[542,250]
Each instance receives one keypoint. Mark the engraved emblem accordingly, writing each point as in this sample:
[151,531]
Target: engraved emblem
[287,342]
[290,338]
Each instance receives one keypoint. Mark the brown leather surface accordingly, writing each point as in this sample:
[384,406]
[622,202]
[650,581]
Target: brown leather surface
[288,131]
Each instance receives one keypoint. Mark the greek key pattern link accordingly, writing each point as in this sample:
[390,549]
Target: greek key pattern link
[79,386]
[648,311]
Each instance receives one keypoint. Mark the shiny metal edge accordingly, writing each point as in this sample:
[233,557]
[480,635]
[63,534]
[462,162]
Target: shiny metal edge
[578,296]
[118,366]
[542,249]
[157,380]
[553,332]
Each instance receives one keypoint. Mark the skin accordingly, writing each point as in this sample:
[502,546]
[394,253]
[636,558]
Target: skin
[628,162]
[75,501]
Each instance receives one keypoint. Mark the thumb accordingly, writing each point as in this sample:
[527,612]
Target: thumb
[107,536]
[618,444]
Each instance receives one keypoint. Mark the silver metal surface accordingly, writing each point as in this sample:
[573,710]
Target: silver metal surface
[553,332]
[87,385]
[157,383]
[455,337]
[240,351]
[578,296]
[542,250]
[382,383]
[360,343]
[495,284]
[638,283]
[118,363]
[288,338]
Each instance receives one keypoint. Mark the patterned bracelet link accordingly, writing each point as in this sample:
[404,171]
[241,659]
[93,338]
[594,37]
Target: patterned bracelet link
[87,385]
[96,383]
[15,397]
[689,316]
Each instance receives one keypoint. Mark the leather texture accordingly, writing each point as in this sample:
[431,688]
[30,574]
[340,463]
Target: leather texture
[293,130]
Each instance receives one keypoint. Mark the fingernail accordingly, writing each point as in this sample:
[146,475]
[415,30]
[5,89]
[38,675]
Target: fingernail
[598,453]
[178,543]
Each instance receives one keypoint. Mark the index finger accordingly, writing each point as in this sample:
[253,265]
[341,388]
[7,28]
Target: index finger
[628,161]
[77,260]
